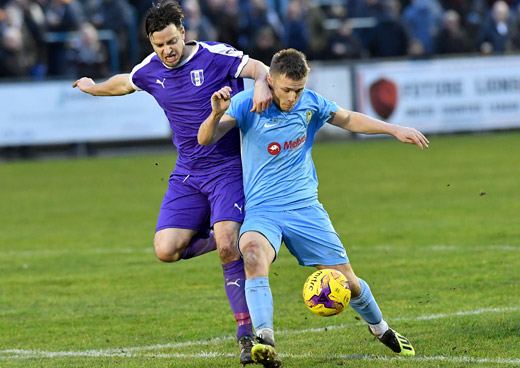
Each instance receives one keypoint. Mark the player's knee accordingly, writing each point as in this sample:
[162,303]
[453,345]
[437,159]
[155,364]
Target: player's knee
[167,250]
[228,251]
[253,256]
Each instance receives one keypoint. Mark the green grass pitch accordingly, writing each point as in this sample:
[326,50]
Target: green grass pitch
[436,233]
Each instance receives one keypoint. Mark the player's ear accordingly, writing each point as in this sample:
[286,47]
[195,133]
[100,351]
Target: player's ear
[270,80]
[183,32]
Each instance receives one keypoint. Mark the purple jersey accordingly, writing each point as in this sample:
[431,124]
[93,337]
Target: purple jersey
[184,93]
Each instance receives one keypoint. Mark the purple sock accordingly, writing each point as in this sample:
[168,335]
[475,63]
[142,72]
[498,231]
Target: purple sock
[199,245]
[235,279]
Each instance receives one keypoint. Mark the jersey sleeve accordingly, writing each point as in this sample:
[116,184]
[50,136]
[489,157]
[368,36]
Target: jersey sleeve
[325,108]
[136,76]
[227,58]
[240,107]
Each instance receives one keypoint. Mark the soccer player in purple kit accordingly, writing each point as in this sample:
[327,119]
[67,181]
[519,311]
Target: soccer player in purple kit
[205,189]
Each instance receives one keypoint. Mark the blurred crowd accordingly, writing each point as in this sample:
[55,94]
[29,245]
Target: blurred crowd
[44,38]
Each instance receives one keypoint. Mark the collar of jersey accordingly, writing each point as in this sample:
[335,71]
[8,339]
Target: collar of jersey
[189,57]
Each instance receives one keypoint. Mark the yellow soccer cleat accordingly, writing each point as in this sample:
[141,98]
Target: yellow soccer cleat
[266,355]
[397,343]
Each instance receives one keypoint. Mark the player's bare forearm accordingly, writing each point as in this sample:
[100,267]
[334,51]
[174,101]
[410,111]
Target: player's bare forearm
[118,85]
[217,123]
[206,135]
[361,123]
[215,127]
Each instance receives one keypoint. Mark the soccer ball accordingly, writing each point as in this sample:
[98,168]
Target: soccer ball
[326,292]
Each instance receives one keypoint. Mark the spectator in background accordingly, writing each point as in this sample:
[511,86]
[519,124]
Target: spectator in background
[389,37]
[497,32]
[117,16]
[365,8]
[265,44]
[35,24]
[462,7]
[256,16]
[423,19]
[368,11]
[452,39]
[14,61]
[18,51]
[344,44]
[279,6]
[296,32]
[477,12]
[225,16]
[197,26]
[87,55]
[319,36]
[62,16]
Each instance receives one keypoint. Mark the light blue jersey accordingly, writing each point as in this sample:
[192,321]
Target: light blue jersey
[276,150]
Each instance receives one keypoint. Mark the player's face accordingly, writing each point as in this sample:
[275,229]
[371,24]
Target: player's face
[286,91]
[168,44]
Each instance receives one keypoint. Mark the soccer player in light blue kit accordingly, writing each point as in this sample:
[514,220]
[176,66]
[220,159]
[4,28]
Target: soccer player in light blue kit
[205,190]
[280,185]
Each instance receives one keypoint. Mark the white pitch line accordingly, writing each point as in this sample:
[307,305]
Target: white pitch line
[358,357]
[466,313]
[131,351]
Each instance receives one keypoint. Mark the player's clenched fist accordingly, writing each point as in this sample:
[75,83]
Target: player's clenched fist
[221,99]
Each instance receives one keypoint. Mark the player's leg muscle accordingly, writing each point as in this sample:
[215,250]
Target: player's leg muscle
[171,242]
[346,269]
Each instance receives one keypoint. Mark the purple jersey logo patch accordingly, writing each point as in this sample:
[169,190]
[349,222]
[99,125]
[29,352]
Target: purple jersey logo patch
[197,77]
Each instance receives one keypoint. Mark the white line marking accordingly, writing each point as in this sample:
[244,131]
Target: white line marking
[360,357]
[131,352]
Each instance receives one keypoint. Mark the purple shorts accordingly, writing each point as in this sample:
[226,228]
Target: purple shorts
[197,202]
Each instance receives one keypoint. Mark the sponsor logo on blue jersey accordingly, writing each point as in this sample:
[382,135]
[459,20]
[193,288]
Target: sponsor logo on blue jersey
[274,148]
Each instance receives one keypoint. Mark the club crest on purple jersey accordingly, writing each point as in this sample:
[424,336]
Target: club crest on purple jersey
[197,77]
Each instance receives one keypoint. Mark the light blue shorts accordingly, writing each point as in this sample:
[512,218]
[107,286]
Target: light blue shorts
[307,233]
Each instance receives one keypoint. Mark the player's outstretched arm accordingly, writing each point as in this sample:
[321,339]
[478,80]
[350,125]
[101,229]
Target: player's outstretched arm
[118,85]
[262,97]
[218,123]
[361,123]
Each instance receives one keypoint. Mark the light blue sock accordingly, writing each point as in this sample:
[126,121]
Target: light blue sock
[366,305]
[260,302]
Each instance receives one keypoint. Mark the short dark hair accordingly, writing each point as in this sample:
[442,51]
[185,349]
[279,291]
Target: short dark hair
[291,63]
[162,14]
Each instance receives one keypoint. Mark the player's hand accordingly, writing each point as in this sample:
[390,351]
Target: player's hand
[85,84]
[262,98]
[221,100]
[411,135]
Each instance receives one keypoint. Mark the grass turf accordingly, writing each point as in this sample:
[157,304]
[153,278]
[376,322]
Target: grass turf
[435,233]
